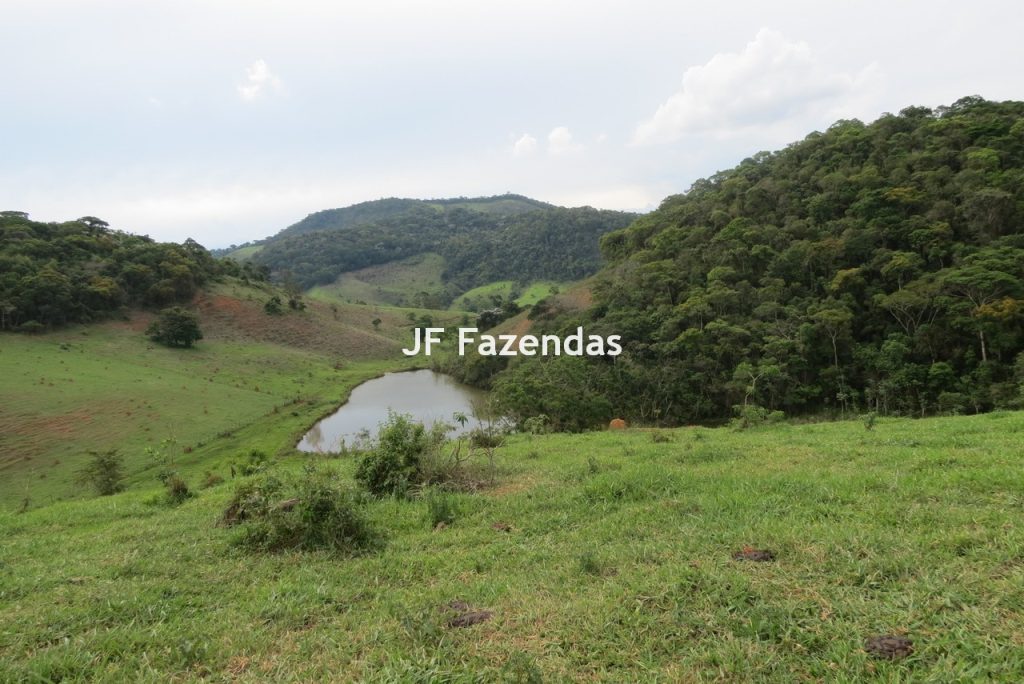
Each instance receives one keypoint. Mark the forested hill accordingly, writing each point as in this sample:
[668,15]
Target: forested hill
[377,210]
[79,271]
[479,246]
[867,268]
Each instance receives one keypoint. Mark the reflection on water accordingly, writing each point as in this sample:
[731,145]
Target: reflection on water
[427,396]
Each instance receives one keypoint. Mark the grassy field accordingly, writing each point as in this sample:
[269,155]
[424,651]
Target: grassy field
[603,556]
[479,298]
[245,253]
[254,381]
[393,284]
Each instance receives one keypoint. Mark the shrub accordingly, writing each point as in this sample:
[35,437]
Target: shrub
[313,511]
[256,462]
[400,459]
[486,438]
[752,415]
[104,471]
[869,420]
[177,489]
[272,307]
[537,425]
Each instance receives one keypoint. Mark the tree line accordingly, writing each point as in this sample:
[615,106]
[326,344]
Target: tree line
[53,274]
[865,268]
[479,247]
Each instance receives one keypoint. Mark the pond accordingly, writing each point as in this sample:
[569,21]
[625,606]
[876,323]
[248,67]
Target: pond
[425,395]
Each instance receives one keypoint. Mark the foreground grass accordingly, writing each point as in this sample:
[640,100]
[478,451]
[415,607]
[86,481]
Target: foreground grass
[616,566]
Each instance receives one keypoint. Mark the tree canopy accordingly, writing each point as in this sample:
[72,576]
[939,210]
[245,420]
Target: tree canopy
[478,246]
[868,267]
[52,274]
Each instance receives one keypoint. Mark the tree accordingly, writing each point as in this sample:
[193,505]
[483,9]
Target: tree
[175,327]
[104,471]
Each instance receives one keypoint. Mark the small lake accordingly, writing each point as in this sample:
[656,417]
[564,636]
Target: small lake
[427,396]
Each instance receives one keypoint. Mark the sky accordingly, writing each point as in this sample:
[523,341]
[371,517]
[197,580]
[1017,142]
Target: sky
[228,120]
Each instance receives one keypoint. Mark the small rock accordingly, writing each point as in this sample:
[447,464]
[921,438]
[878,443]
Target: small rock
[889,647]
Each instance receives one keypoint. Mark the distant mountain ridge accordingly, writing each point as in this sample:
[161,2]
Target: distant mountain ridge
[376,210]
[505,237]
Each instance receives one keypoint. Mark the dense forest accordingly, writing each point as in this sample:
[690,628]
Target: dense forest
[868,268]
[52,274]
[478,246]
[377,210]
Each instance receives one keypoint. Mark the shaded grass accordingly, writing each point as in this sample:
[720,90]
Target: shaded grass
[617,568]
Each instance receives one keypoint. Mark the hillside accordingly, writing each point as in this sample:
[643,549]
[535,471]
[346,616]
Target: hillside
[383,209]
[873,267]
[52,274]
[606,557]
[254,381]
[480,241]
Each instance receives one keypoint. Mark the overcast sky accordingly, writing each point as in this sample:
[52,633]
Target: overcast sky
[227,120]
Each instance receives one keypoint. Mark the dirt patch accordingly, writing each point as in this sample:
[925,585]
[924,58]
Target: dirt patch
[889,647]
[464,615]
[749,553]
[501,527]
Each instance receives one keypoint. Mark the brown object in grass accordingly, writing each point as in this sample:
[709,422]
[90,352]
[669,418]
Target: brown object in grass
[465,615]
[749,553]
[889,647]
[617,424]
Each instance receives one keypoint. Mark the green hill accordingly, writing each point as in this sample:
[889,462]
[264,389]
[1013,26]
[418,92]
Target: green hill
[478,247]
[382,209]
[872,267]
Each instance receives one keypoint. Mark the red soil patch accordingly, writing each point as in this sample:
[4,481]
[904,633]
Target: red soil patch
[343,333]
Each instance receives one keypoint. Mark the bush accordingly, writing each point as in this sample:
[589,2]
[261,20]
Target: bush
[104,471]
[272,307]
[255,463]
[313,511]
[486,438]
[401,457]
[177,489]
[752,415]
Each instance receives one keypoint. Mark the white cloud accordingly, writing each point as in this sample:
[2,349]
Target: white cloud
[258,80]
[770,81]
[560,141]
[525,146]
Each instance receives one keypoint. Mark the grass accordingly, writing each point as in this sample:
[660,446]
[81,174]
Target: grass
[479,298]
[603,557]
[245,253]
[395,283]
[106,386]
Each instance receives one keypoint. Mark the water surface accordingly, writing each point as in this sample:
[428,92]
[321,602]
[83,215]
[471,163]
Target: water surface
[425,395]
